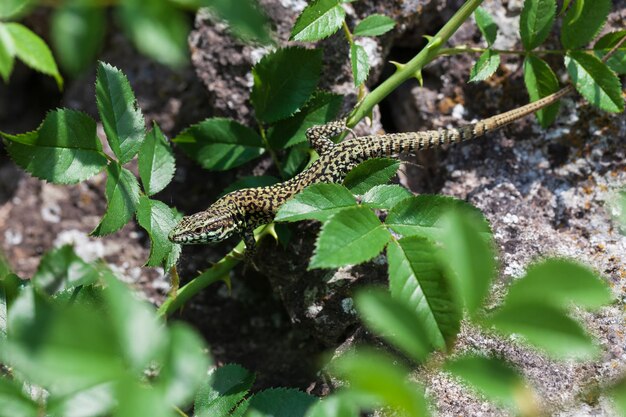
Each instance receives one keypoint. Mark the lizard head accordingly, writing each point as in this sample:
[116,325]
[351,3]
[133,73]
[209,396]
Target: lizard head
[215,224]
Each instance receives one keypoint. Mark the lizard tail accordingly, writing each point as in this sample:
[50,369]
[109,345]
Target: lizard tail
[412,142]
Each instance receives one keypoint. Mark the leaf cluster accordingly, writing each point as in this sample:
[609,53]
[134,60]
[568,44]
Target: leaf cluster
[84,345]
[322,18]
[158,29]
[65,149]
[595,80]
[441,262]
[286,102]
[76,333]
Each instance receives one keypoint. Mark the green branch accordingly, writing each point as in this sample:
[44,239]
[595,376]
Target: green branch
[212,275]
[415,65]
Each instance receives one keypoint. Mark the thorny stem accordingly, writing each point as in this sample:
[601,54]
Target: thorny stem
[411,68]
[212,275]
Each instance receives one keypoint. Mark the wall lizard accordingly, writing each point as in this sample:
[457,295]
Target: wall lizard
[241,211]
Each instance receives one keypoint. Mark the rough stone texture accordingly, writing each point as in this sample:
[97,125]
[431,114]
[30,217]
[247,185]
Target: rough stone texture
[546,192]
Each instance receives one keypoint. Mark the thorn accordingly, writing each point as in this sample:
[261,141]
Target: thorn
[434,43]
[419,77]
[398,65]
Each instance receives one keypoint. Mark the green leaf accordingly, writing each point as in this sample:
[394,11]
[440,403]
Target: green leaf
[394,321]
[540,82]
[492,377]
[334,406]
[417,277]
[158,219]
[295,160]
[619,395]
[371,173]
[561,283]
[77,32]
[486,24]
[7,53]
[317,202]
[374,25]
[253,181]
[536,22]
[94,401]
[245,18]
[473,262]
[10,287]
[122,193]
[581,26]
[381,376]
[184,367]
[121,117]
[65,149]
[140,335]
[487,64]
[220,144]
[385,196]
[65,347]
[595,81]
[156,161]
[318,20]
[280,402]
[11,9]
[14,402]
[322,108]
[422,216]
[157,29]
[283,82]
[546,327]
[139,399]
[360,63]
[61,269]
[352,236]
[225,387]
[33,51]
[617,62]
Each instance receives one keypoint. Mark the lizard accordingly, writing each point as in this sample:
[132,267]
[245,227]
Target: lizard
[241,211]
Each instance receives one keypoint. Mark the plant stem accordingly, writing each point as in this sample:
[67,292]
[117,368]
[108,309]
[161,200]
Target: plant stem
[350,39]
[180,412]
[415,65]
[175,282]
[213,274]
[346,31]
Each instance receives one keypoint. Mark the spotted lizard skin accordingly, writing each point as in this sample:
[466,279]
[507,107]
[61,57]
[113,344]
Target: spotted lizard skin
[241,211]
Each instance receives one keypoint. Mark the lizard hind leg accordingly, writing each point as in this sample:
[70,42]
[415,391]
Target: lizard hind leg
[319,136]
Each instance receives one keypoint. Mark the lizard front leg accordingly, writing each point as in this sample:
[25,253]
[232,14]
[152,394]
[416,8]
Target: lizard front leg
[319,136]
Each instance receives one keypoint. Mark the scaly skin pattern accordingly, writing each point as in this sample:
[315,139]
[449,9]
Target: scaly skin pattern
[241,211]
